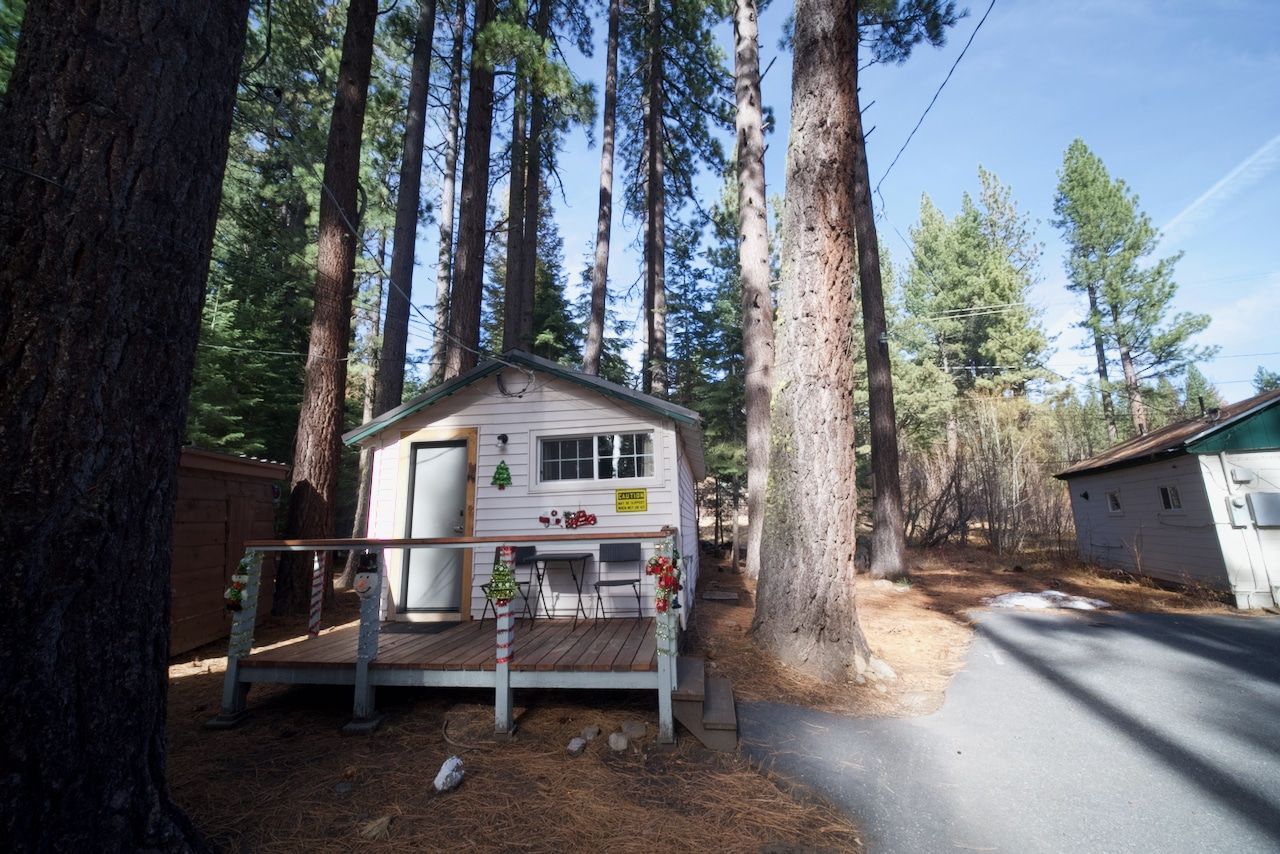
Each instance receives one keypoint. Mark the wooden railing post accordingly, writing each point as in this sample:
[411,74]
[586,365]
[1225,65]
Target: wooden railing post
[317,594]
[664,625]
[504,723]
[235,692]
[368,586]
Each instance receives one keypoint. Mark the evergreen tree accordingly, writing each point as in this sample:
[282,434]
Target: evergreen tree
[1110,241]
[11,14]
[673,95]
[1265,380]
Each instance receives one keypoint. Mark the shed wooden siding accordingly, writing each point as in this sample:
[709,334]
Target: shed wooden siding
[689,548]
[222,501]
[1251,554]
[1144,537]
[550,406]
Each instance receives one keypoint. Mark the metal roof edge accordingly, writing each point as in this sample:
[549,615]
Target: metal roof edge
[421,402]
[1228,422]
[1133,462]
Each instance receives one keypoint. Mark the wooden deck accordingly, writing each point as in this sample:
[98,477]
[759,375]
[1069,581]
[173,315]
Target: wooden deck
[541,646]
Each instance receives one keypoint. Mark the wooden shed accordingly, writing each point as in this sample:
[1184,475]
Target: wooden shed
[222,501]
[1194,502]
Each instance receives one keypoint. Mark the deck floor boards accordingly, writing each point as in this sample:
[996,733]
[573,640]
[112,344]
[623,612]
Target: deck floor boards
[545,644]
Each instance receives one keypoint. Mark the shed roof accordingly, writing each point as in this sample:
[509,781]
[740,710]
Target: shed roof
[688,422]
[1203,435]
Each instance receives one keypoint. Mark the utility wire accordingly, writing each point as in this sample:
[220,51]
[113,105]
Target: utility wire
[935,95]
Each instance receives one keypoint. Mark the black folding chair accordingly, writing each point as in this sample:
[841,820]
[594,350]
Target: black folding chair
[525,556]
[619,553]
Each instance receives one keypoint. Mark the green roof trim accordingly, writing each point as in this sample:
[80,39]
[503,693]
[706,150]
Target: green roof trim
[1259,430]
[517,358]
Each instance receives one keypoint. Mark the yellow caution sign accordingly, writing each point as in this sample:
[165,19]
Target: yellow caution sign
[631,500]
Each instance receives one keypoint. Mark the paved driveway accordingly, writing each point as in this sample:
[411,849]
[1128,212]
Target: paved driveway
[1097,733]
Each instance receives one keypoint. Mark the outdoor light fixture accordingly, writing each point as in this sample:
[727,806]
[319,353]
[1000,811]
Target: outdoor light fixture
[502,439]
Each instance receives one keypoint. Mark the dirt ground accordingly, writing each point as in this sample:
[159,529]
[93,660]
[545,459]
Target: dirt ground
[287,781]
[921,628]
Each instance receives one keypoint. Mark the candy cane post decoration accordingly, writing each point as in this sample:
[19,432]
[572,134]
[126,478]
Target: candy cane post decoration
[317,595]
[502,588]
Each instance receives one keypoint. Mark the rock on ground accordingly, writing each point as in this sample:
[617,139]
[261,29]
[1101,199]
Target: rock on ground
[618,742]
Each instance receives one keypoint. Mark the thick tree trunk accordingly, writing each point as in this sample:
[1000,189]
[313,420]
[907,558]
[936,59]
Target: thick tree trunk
[317,452]
[463,345]
[753,264]
[604,220]
[444,264]
[395,332]
[365,472]
[655,379]
[118,116]
[805,611]
[532,194]
[1100,352]
[513,303]
[888,532]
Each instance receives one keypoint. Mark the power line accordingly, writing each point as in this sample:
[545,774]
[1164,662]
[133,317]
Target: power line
[935,95]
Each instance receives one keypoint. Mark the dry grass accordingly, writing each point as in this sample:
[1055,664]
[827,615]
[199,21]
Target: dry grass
[288,781]
[922,629]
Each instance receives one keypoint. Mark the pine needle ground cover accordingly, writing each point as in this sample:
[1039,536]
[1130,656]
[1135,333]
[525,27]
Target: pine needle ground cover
[921,628]
[287,781]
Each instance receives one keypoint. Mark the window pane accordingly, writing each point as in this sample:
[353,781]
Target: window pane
[584,449]
[550,449]
[628,443]
[550,470]
[627,467]
[605,445]
[605,468]
[644,443]
[644,466]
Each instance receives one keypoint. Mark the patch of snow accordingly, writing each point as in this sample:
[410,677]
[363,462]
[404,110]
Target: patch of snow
[1046,599]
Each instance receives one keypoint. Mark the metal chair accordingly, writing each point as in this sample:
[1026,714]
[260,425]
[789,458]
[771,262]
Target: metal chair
[525,556]
[619,553]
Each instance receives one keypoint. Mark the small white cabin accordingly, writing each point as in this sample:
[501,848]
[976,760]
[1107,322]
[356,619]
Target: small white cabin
[570,442]
[1194,502]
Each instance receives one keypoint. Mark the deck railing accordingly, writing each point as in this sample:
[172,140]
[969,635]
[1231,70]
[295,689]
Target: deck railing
[371,585]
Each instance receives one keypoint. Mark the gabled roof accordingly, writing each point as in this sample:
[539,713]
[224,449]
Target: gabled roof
[1175,439]
[688,422]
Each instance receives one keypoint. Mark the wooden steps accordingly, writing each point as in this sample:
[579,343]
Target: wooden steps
[704,705]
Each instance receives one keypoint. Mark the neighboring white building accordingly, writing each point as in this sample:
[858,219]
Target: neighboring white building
[1194,502]
[570,442]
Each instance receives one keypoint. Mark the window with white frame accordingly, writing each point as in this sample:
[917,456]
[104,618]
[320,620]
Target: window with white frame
[1169,498]
[1113,502]
[603,456]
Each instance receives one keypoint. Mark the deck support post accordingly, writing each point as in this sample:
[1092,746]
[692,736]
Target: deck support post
[317,594]
[664,625]
[368,586]
[504,723]
[235,692]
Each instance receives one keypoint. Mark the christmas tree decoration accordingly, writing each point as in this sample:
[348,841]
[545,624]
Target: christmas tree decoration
[502,586]
[501,476]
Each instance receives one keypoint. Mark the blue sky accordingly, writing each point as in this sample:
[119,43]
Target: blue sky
[1180,99]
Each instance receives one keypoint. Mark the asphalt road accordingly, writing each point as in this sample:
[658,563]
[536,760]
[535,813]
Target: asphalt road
[1065,733]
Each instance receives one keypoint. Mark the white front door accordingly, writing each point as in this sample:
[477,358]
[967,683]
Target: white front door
[437,508]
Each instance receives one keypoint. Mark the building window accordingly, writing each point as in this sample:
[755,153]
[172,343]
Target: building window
[607,456]
[1113,502]
[1169,498]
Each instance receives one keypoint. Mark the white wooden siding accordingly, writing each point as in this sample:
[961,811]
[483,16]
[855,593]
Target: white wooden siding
[1176,545]
[1251,554]
[689,547]
[550,406]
